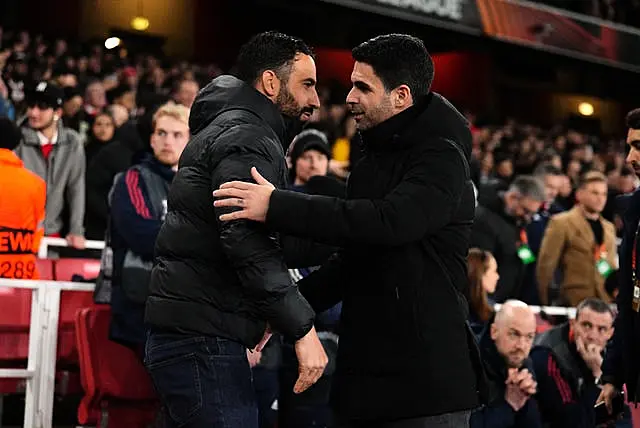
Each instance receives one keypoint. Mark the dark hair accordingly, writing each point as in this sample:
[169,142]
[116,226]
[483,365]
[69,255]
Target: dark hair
[398,59]
[478,263]
[528,187]
[269,51]
[633,119]
[596,305]
[545,169]
[10,135]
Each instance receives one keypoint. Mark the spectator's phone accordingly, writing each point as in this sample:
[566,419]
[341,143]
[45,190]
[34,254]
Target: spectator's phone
[603,416]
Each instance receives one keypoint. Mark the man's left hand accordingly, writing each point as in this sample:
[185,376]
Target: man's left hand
[252,198]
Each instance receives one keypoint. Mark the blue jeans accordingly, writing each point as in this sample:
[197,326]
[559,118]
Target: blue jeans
[203,382]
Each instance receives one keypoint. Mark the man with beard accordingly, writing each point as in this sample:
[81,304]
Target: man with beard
[505,349]
[217,285]
[406,356]
[622,361]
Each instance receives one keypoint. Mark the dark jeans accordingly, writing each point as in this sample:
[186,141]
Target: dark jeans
[203,382]
[448,420]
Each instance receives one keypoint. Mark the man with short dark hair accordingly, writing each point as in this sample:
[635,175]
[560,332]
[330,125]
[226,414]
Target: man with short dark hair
[568,365]
[622,361]
[551,177]
[581,244]
[217,285]
[500,227]
[403,229]
[56,154]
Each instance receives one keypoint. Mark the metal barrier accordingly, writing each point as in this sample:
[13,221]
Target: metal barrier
[43,343]
[61,242]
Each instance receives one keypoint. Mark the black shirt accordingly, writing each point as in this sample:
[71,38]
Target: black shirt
[596,227]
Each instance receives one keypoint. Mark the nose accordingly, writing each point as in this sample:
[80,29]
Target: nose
[315,100]
[351,98]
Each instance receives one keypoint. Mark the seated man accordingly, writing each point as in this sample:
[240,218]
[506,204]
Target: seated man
[567,362]
[505,350]
[138,209]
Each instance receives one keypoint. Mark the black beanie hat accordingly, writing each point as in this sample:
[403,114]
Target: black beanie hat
[10,135]
[309,139]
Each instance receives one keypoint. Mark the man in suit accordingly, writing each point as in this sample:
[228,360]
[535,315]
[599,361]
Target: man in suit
[582,243]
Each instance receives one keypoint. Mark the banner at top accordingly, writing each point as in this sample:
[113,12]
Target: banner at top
[461,15]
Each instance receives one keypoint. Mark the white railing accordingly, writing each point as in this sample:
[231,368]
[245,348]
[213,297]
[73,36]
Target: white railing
[47,242]
[43,343]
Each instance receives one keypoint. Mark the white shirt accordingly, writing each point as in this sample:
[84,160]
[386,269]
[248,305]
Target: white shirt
[44,140]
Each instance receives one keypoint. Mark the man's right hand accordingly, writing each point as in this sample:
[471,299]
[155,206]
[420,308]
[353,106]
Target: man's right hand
[519,387]
[608,392]
[311,361]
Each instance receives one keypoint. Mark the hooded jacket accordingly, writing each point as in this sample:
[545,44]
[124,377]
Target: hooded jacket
[225,279]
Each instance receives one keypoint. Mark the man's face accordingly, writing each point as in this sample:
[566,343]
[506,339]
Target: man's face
[521,207]
[40,116]
[514,336]
[298,97]
[369,102]
[552,185]
[187,93]
[96,96]
[169,139]
[310,164]
[72,107]
[633,158]
[127,100]
[593,328]
[593,197]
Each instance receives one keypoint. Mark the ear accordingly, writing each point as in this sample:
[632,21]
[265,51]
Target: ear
[494,332]
[270,83]
[610,335]
[402,98]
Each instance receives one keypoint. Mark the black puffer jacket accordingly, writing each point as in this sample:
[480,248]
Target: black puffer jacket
[215,278]
[405,350]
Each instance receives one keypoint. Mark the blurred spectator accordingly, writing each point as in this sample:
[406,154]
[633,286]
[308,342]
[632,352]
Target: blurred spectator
[22,209]
[122,95]
[56,154]
[95,99]
[71,107]
[505,350]
[552,178]
[138,209]
[567,360]
[582,243]
[483,278]
[119,114]
[500,228]
[308,156]
[185,92]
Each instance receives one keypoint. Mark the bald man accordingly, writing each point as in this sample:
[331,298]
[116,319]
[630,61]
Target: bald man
[505,350]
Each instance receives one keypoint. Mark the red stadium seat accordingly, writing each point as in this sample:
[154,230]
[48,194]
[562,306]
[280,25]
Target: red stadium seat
[112,375]
[66,268]
[45,268]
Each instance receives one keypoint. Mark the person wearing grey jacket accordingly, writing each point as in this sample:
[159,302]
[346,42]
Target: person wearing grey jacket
[56,154]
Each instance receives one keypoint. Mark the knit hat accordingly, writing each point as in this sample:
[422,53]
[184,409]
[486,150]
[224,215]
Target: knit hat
[309,139]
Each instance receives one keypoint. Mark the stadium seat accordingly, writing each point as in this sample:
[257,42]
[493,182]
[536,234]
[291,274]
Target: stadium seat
[66,268]
[112,376]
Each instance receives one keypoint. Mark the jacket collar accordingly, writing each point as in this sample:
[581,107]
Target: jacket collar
[387,135]
[31,135]
[161,169]
[8,158]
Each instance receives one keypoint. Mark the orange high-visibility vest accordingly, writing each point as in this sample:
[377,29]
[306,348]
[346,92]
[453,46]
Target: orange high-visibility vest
[22,203]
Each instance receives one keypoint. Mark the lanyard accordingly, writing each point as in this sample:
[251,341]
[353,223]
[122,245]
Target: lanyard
[523,237]
[634,256]
[601,252]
